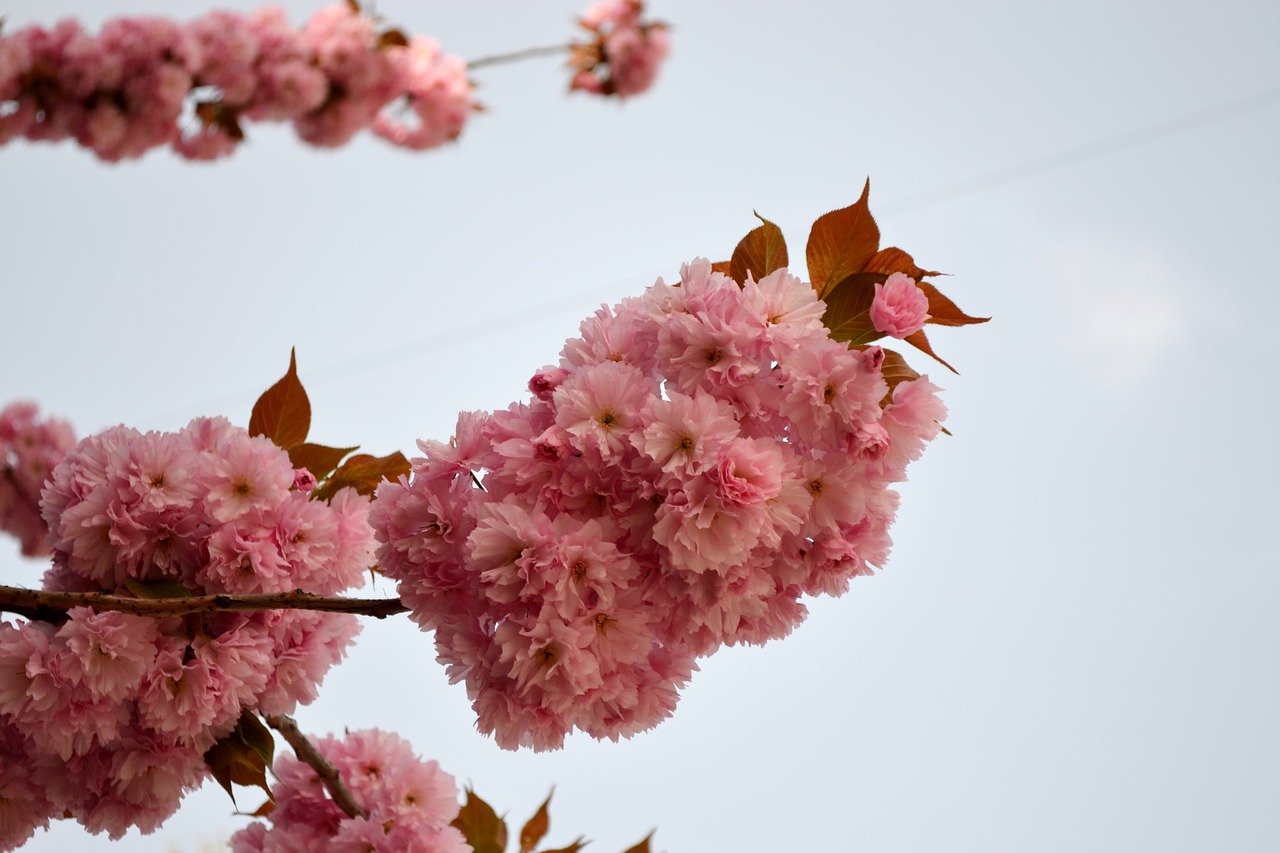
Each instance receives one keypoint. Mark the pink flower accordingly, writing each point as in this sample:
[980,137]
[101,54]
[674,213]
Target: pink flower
[899,308]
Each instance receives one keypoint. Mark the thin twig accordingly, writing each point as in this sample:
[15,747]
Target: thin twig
[52,606]
[307,753]
[516,56]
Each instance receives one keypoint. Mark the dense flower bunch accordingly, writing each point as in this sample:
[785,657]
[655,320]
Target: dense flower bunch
[410,803]
[106,717]
[702,457]
[126,91]
[29,450]
[624,53]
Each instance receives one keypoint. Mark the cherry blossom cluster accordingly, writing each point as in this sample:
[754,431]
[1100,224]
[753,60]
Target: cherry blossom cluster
[106,717]
[29,449]
[149,82]
[624,53]
[409,803]
[701,458]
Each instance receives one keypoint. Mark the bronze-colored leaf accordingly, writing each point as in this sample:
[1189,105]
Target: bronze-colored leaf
[921,342]
[238,759]
[848,314]
[722,267]
[162,588]
[354,6]
[643,846]
[283,413]
[363,473]
[533,831]
[841,243]
[481,826]
[895,371]
[893,260]
[255,734]
[577,845]
[265,809]
[759,253]
[317,458]
[392,38]
[943,312]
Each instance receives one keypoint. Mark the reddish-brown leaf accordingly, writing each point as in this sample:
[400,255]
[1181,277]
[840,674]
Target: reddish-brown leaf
[895,371]
[643,846]
[317,458]
[759,253]
[242,756]
[392,38]
[840,244]
[481,826]
[721,267]
[363,473]
[265,809]
[921,342]
[943,311]
[893,260]
[533,831]
[283,413]
[848,314]
[572,848]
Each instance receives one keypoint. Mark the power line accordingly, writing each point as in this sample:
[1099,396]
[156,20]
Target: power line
[972,185]
[1045,163]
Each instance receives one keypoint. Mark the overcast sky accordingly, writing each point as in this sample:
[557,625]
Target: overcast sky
[1074,645]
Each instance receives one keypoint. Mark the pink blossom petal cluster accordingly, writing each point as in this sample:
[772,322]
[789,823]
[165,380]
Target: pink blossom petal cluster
[900,308]
[702,458]
[149,82]
[30,447]
[624,53]
[410,803]
[105,717]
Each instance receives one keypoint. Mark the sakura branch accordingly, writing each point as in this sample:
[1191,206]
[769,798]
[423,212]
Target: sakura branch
[702,458]
[309,755]
[54,607]
[144,83]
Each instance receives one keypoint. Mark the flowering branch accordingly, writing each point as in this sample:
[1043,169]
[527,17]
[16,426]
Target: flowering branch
[517,55]
[49,606]
[306,751]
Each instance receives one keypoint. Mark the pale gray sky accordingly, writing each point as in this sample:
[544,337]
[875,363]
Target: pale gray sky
[1074,646]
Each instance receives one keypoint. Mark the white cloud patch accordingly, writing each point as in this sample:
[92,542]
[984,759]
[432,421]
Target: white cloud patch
[1126,310]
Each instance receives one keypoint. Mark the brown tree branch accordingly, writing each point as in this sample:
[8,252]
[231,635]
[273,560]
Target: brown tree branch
[516,56]
[49,606]
[307,753]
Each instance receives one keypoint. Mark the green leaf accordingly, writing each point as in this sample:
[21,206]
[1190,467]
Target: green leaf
[481,826]
[759,253]
[943,312]
[363,473]
[841,243]
[848,314]
[643,846]
[317,458]
[240,757]
[893,260]
[283,412]
[162,588]
[533,831]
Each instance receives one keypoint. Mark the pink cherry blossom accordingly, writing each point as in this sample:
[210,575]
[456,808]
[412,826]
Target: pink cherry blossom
[899,308]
